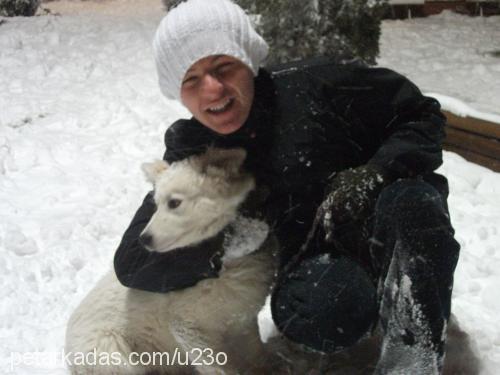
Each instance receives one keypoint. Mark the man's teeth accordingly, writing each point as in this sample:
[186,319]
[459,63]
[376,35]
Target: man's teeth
[220,108]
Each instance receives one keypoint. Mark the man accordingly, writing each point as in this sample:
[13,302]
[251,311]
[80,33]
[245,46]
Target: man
[346,154]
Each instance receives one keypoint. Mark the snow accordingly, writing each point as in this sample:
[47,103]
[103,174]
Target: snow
[415,359]
[267,328]
[448,54]
[461,109]
[81,111]
[247,236]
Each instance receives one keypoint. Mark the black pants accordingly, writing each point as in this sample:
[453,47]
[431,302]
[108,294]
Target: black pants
[395,267]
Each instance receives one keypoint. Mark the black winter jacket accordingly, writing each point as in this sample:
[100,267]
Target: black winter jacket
[309,120]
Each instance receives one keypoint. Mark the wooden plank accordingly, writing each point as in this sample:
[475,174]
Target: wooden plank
[474,125]
[406,2]
[476,140]
[436,7]
[489,147]
[473,157]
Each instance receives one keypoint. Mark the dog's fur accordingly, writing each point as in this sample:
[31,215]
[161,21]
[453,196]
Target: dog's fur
[218,314]
[208,191]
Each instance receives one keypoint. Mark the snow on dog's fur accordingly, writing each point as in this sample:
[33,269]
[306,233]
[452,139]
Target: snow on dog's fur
[196,198]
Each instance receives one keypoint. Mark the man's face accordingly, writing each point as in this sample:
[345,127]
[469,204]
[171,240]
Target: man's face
[218,91]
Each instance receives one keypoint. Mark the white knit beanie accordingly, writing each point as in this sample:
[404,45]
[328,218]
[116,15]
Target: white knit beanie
[199,28]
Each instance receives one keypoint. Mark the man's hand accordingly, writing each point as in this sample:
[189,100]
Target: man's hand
[352,196]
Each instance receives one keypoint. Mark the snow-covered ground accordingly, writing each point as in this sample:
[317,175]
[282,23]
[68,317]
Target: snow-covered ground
[80,111]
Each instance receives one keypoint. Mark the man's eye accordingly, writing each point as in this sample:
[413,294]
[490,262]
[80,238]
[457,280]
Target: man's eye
[173,203]
[191,79]
[224,67]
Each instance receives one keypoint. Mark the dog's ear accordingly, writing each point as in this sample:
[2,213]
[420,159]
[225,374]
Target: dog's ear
[153,169]
[229,160]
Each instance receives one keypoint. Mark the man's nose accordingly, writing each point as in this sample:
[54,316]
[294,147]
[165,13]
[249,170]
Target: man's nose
[212,85]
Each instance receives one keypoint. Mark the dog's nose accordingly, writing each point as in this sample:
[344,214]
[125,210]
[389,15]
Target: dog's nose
[145,240]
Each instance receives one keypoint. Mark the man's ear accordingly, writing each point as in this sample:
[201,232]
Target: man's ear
[153,169]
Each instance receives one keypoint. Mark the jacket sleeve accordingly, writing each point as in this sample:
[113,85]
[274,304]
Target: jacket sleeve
[136,267]
[412,130]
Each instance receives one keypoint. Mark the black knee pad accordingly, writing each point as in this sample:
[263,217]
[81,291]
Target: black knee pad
[326,303]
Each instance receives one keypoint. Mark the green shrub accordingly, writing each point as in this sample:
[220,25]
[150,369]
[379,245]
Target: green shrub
[297,29]
[12,8]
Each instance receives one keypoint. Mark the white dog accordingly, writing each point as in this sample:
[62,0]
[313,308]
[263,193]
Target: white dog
[214,322]
[195,198]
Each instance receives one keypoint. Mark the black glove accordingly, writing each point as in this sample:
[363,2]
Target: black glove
[352,196]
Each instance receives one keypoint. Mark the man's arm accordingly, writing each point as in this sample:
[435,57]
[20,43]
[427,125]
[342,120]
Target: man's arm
[409,128]
[139,268]
[414,132]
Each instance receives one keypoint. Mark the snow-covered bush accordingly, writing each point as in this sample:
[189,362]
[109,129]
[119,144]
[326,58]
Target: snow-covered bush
[298,29]
[12,8]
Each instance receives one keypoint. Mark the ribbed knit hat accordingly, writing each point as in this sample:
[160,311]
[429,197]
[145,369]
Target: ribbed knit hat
[199,28]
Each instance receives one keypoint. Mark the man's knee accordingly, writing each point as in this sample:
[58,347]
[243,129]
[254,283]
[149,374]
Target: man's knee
[407,194]
[414,215]
[413,212]
[413,205]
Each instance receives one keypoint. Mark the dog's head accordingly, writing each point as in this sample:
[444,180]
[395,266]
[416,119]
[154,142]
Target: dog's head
[195,198]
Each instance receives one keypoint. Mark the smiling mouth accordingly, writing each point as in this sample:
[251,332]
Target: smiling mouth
[221,108]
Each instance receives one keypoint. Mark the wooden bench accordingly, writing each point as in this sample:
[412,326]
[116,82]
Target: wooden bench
[422,8]
[476,140]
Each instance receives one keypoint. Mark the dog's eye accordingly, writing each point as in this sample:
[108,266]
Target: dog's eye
[174,203]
